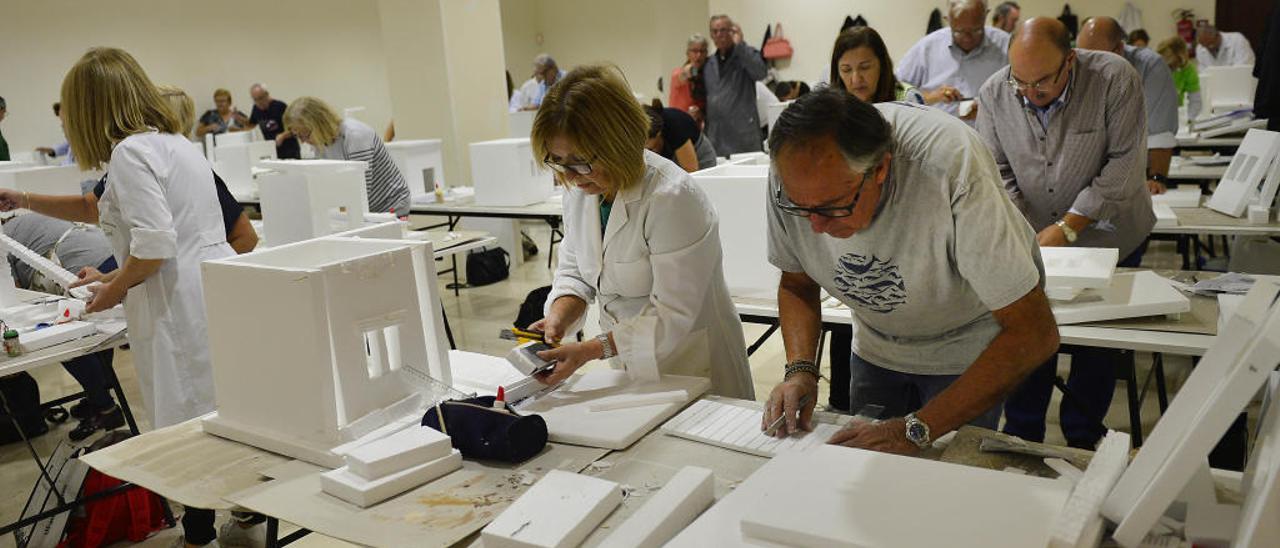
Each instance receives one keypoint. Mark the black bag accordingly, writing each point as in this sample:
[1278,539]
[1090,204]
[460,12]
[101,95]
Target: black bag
[481,432]
[22,394]
[531,308]
[487,266]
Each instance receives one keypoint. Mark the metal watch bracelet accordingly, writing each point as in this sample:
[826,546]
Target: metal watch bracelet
[801,366]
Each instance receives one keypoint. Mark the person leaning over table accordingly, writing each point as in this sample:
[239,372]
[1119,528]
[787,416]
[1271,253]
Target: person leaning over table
[640,239]
[316,123]
[160,212]
[1185,77]
[674,135]
[896,209]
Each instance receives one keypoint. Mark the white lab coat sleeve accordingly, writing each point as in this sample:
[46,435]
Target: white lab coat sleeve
[141,199]
[569,279]
[685,256]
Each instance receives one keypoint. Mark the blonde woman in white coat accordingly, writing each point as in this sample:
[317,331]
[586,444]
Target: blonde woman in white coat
[640,238]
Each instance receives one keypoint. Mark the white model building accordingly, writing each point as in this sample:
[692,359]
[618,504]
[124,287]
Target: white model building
[305,199]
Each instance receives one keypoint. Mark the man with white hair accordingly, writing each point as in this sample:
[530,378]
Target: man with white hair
[545,74]
[733,123]
[949,65]
[268,114]
[1221,49]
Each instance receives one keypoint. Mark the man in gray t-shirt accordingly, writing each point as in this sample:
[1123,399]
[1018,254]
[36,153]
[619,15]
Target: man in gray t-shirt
[76,246]
[897,210]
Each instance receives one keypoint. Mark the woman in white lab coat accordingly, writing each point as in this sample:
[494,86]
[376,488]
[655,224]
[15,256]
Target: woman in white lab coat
[161,214]
[640,238]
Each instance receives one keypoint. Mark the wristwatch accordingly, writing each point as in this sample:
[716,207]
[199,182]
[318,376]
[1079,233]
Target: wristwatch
[917,431]
[608,349]
[1158,178]
[1069,232]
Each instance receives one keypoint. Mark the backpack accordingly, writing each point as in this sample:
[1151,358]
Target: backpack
[22,394]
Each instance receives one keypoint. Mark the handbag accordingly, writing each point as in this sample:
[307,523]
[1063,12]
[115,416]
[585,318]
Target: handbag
[479,431]
[777,47]
[488,266]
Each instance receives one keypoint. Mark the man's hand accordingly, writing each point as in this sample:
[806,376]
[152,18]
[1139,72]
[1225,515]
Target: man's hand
[943,94]
[569,358]
[736,33]
[889,436]
[46,151]
[1156,187]
[785,401]
[1052,236]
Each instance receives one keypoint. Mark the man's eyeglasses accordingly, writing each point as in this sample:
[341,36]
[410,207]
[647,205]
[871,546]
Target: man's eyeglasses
[834,212]
[1040,86]
[583,168]
[956,33]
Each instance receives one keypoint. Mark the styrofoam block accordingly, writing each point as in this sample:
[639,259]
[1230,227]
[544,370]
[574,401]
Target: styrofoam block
[348,486]
[520,123]
[775,111]
[1130,295]
[1261,481]
[1250,164]
[1213,525]
[1259,215]
[55,335]
[397,452]
[1080,520]
[559,511]
[58,180]
[298,198]
[55,272]
[836,496]
[657,398]
[1165,216]
[739,195]
[1080,267]
[422,164]
[505,173]
[667,512]
[570,419]
[1182,196]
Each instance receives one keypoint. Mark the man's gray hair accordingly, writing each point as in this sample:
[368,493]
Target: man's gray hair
[958,6]
[258,85]
[719,16]
[1004,8]
[696,38]
[544,60]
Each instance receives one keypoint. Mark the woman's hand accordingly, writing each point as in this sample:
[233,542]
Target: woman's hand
[552,327]
[569,358]
[105,296]
[87,276]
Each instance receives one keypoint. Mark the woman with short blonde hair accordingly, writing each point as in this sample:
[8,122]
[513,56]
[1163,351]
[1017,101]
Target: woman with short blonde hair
[314,122]
[224,117]
[640,238]
[184,108]
[160,211]
[1185,78]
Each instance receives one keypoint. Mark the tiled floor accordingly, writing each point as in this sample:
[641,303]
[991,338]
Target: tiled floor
[477,315]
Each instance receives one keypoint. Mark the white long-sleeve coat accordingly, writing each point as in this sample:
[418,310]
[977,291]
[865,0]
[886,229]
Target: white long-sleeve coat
[658,277]
[160,203]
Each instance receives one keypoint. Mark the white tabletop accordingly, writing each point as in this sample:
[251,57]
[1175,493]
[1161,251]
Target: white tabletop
[111,333]
[1182,169]
[465,204]
[1186,140]
[1202,220]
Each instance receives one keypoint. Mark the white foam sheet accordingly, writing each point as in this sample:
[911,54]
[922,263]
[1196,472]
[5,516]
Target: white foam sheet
[399,451]
[1181,196]
[558,511]
[481,373]
[344,484]
[1241,183]
[56,334]
[1165,216]
[570,418]
[1079,267]
[738,428]
[58,180]
[739,195]
[421,162]
[1079,524]
[299,198]
[836,496]
[505,173]
[1130,295]
[685,496]
[1220,386]
[1261,484]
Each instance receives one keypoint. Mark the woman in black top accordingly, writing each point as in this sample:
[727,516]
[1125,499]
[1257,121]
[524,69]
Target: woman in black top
[674,135]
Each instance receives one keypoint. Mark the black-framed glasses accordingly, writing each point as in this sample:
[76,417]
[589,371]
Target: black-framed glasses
[785,204]
[583,168]
[957,33]
[1039,86]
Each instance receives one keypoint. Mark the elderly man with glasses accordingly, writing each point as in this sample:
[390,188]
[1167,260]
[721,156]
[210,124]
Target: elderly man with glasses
[896,210]
[950,64]
[1068,130]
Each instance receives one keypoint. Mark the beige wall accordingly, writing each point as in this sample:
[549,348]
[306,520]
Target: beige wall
[296,47]
[811,25]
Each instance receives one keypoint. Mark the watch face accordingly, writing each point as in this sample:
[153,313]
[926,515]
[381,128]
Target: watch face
[916,431]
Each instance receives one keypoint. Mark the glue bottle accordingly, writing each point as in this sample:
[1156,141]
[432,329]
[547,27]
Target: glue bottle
[11,346]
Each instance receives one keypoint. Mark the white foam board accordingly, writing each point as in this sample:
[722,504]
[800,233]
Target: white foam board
[368,311]
[1130,295]
[235,163]
[1165,216]
[301,197]
[1079,524]
[557,512]
[505,173]
[421,162]
[1181,196]
[55,335]
[738,428]
[570,418]
[520,123]
[739,194]
[1224,381]
[836,496]
[1241,183]
[656,398]
[1079,267]
[399,451]
[685,496]
[351,487]
[58,180]
[1261,482]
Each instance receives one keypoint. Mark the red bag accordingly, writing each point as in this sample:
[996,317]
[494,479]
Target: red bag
[130,515]
[777,47]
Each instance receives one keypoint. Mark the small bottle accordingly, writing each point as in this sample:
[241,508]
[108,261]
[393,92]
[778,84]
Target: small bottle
[11,345]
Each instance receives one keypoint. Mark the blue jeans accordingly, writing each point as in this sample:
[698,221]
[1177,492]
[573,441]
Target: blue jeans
[901,393]
[1092,383]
